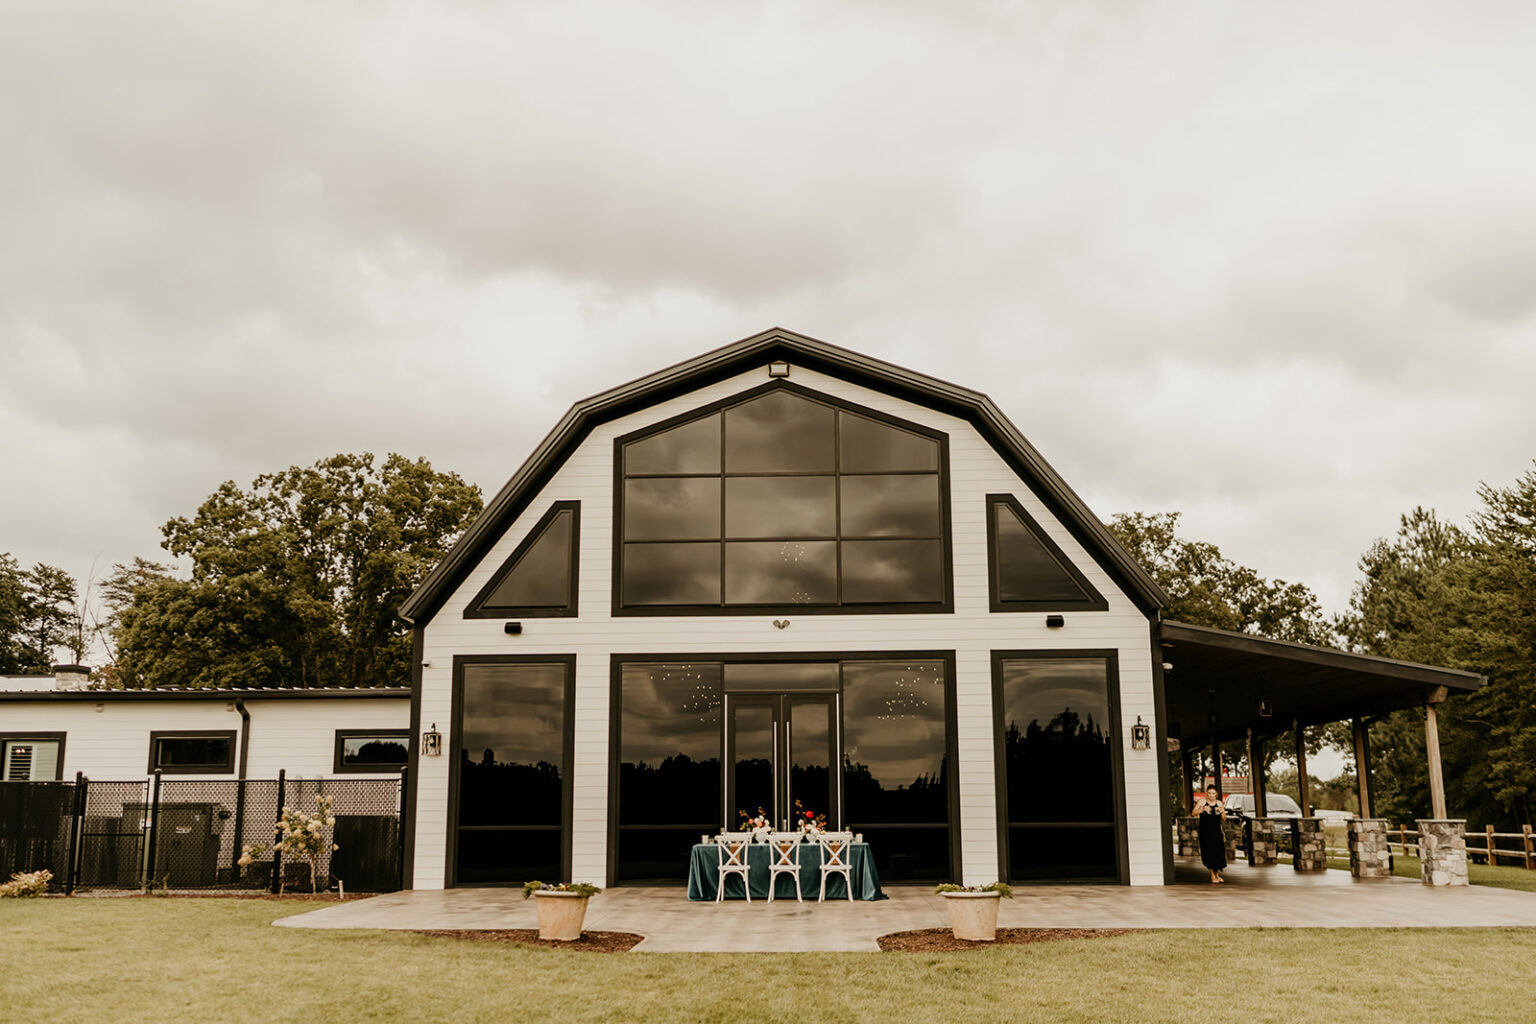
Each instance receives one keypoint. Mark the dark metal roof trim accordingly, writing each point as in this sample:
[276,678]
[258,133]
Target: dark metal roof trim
[735,358]
[1327,657]
[192,693]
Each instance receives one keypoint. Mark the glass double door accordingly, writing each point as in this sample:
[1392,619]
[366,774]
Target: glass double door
[781,748]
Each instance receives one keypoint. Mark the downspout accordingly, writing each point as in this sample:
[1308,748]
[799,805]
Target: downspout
[245,746]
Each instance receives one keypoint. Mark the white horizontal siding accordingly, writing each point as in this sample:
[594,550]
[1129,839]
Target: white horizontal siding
[972,632]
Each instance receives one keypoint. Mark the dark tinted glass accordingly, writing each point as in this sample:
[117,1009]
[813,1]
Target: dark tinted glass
[669,745]
[911,853]
[781,572]
[1026,571]
[810,759]
[891,506]
[870,447]
[492,856]
[892,571]
[780,506]
[752,764]
[669,766]
[1036,853]
[690,448]
[542,576]
[386,751]
[894,743]
[672,508]
[1056,740]
[780,676]
[779,432]
[513,742]
[657,574]
[194,751]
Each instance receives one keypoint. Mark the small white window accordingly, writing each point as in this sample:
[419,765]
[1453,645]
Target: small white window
[29,760]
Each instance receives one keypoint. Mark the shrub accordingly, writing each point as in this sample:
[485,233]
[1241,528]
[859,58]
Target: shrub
[32,883]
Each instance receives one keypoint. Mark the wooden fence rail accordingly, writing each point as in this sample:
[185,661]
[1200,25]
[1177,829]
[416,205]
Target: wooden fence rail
[1486,848]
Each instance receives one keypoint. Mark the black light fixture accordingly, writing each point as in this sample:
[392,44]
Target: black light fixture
[1141,735]
[1266,709]
[432,742]
[513,628]
[1055,621]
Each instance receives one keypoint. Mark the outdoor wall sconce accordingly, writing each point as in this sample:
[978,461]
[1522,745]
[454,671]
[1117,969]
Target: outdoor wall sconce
[1141,735]
[1055,621]
[513,628]
[1266,709]
[778,368]
[432,742]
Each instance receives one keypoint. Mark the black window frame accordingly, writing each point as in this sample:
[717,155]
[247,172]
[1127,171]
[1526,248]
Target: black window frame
[456,747]
[339,767]
[1092,601]
[479,609]
[945,605]
[227,768]
[618,661]
[7,738]
[1111,659]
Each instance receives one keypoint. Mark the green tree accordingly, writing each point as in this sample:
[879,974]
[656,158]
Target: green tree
[294,581]
[1461,598]
[37,617]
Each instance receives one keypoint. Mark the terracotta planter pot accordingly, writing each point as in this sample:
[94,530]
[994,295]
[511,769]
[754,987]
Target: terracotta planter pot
[561,914]
[973,915]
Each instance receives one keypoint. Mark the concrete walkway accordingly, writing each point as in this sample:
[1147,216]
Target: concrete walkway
[1270,897]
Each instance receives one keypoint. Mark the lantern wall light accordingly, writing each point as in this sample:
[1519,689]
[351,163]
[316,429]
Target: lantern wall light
[432,742]
[1141,735]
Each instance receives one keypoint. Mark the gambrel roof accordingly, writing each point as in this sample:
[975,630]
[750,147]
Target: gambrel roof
[797,349]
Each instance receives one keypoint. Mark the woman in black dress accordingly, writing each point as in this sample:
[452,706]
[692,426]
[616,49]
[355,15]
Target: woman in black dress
[1213,842]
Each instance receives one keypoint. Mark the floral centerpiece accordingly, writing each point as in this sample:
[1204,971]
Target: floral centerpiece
[811,824]
[757,824]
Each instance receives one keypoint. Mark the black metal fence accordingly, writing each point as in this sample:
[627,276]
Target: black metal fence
[191,834]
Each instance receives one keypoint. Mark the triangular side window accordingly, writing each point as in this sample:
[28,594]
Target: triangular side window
[1029,572]
[538,580]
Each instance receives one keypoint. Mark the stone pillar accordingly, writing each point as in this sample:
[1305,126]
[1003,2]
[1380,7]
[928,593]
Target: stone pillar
[1232,832]
[1189,837]
[1263,841]
[1443,851]
[1309,849]
[1369,854]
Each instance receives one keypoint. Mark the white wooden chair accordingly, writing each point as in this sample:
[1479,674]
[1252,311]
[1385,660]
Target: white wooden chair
[784,859]
[836,859]
[732,847]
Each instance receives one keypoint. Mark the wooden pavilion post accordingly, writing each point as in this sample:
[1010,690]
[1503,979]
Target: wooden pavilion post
[1216,765]
[1363,765]
[1301,768]
[1186,764]
[1432,748]
[1256,774]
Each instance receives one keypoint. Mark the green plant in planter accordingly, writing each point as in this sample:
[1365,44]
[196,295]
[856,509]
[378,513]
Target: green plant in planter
[579,888]
[1003,889]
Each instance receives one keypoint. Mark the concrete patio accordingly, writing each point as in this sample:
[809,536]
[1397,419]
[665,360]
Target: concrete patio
[1265,897]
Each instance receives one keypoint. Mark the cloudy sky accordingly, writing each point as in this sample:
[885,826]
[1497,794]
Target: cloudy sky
[1272,267]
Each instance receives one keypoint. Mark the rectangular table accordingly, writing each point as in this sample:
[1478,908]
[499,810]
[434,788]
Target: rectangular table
[704,874]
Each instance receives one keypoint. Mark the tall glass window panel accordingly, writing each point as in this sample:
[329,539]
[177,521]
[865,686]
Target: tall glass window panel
[752,743]
[770,506]
[780,432]
[672,508]
[692,447]
[541,577]
[669,766]
[886,571]
[868,446]
[891,506]
[895,769]
[1058,767]
[511,772]
[671,574]
[780,572]
[810,769]
[1027,572]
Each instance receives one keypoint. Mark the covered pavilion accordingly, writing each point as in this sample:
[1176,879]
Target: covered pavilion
[1223,687]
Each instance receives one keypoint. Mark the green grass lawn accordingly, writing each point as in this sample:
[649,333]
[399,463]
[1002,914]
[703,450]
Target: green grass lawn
[206,960]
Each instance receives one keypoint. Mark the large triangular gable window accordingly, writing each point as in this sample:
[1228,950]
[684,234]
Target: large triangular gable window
[538,580]
[1029,572]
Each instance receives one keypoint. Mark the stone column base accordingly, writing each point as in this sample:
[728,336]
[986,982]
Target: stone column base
[1309,849]
[1369,854]
[1263,841]
[1443,851]
[1189,837]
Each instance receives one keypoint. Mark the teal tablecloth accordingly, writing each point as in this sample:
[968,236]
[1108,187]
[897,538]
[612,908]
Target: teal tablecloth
[704,875]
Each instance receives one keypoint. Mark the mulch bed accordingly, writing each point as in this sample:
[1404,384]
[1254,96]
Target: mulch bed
[590,942]
[942,940]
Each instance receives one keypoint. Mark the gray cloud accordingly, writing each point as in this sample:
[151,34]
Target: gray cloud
[1271,268]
